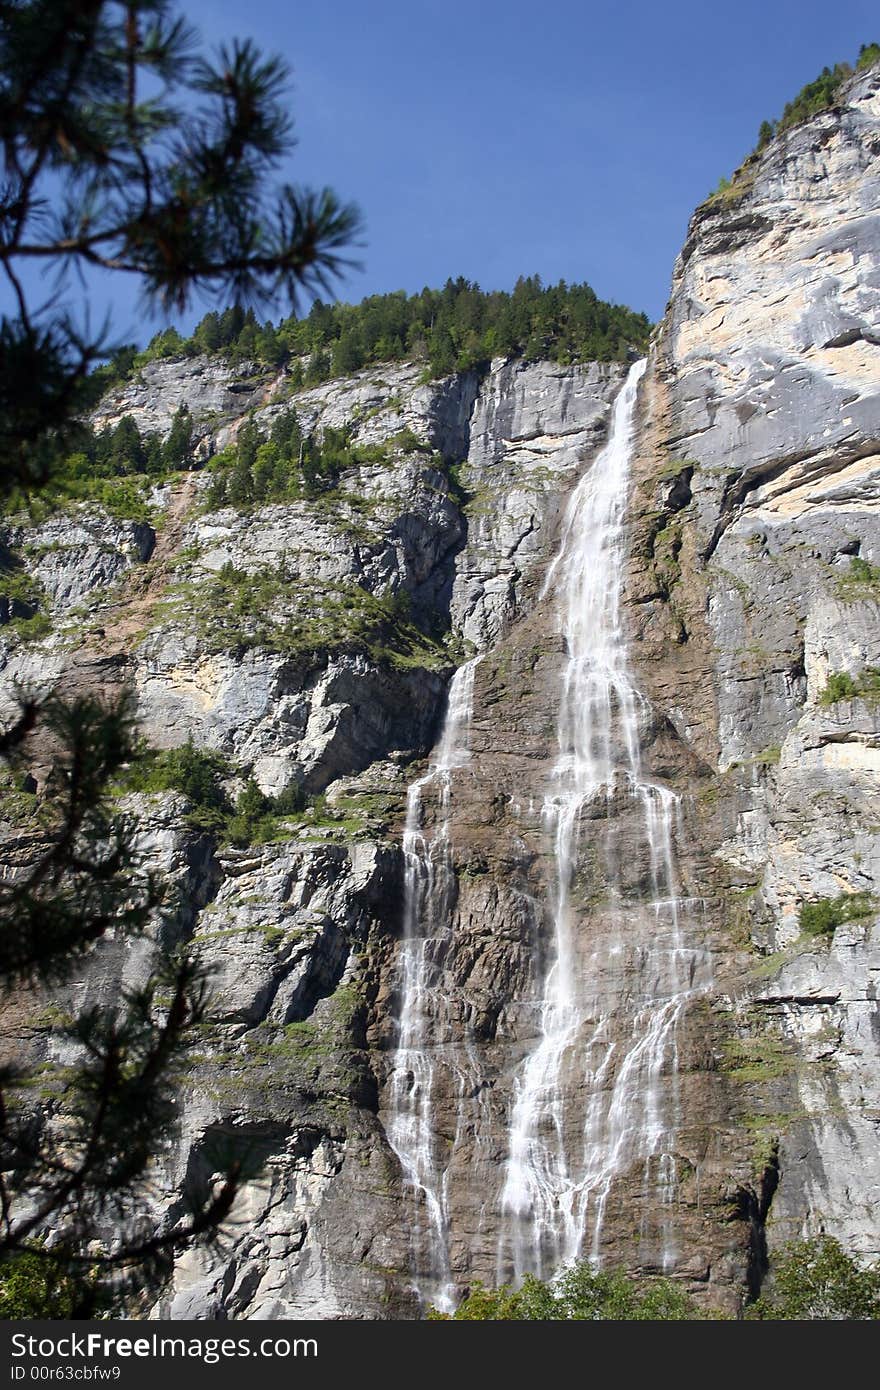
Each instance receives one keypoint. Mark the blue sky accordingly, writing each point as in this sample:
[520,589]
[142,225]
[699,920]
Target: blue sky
[491,139]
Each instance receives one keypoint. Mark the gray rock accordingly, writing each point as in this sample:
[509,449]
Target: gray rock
[75,553]
[768,384]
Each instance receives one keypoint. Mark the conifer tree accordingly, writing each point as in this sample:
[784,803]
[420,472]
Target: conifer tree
[127,151]
[177,450]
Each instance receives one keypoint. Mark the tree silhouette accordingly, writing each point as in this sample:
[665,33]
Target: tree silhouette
[128,150]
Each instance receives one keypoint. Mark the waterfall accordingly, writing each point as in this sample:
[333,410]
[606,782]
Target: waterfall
[617,1053]
[425,1034]
[593,1101]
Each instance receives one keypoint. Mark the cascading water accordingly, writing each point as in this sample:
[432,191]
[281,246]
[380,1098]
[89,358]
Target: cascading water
[595,1099]
[562,1159]
[424,1032]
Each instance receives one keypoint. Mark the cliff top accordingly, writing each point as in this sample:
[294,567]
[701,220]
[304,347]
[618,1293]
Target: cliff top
[456,328]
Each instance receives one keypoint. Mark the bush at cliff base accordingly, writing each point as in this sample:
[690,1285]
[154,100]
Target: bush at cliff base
[809,1280]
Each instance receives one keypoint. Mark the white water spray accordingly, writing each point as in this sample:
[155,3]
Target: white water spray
[560,1169]
[425,1041]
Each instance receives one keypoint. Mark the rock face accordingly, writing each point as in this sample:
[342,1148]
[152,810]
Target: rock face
[531,428]
[313,642]
[764,414]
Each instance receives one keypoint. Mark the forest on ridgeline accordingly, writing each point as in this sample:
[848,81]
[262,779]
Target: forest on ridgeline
[452,329]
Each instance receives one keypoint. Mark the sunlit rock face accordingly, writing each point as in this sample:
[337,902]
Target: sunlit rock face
[765,413]
[528,978]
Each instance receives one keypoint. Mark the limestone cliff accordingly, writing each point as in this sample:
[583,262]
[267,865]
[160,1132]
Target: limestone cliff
[752,582]
[757,586]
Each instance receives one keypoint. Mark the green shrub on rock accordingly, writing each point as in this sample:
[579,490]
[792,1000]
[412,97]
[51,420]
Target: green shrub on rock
[200,774]
[815,1280]
[196,772]
[842,686]
[22,600]
[579,1294]
[825,915]
[256,815]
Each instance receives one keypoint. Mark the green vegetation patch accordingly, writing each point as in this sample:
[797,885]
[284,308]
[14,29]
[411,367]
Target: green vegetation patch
[23,600]
[666,549]
[289,466]
[816,1280]
[319,1059]
[842,686]
[272,609]
[730,191]
[114,468]
[579,1294]
[860,580]
[34,1284]
[19,806]
[757,1059]
[769,756]
[809,1280]
[253,817]
[823,916]
[199,774]
[819,95]
[674,469]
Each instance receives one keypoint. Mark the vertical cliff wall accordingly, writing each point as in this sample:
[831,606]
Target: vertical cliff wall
[756,590]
